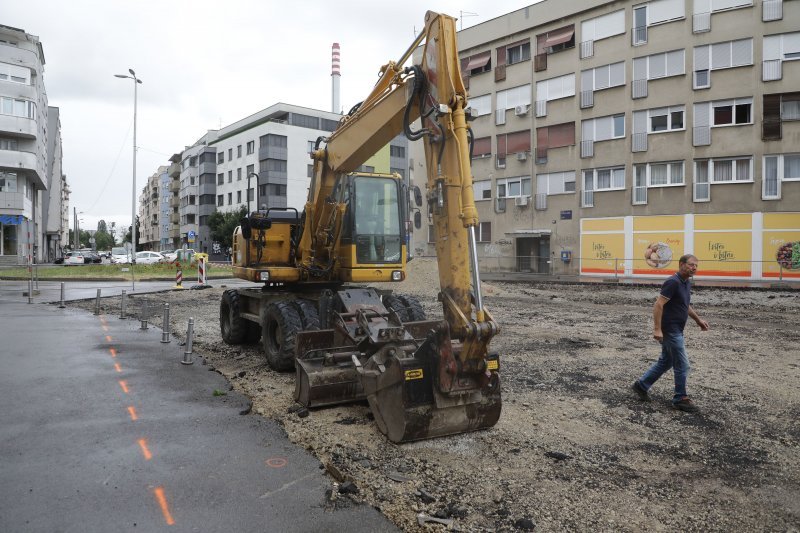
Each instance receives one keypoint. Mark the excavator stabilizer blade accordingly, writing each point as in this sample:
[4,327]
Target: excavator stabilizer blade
[408,405]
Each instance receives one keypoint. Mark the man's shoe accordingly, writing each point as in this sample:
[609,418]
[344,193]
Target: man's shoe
[640,392]
[686,405]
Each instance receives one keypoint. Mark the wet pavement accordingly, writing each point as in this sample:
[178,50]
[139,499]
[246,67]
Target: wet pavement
[104,429]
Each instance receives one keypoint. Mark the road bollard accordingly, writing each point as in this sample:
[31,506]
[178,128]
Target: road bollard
[36,272]
[62,305]
[187,354]
[122,307]
[96,302]
[165,325]
[30,291]
[143,315]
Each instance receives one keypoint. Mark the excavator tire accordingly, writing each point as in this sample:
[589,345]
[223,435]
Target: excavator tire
[281,324]
[407,308]
[413,308]
[308,314]
[232,326]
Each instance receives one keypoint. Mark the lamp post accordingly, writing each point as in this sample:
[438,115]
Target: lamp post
[136,82]
[248,190]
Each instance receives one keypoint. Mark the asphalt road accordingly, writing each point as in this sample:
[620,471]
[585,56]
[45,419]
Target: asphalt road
[103,429]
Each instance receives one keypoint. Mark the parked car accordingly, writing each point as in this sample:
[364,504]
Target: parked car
[149,258]
[120,255]
[169,255]
[91,257]
[74,258]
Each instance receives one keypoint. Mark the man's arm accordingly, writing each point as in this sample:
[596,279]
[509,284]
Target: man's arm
[700,322]
[658,311]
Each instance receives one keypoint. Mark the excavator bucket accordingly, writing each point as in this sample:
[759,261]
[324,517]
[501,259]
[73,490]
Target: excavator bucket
[408,403]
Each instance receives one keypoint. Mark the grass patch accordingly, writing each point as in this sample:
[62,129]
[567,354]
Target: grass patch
[110,271]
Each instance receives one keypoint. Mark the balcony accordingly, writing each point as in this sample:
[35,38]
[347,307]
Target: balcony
[772,10]
[701,22]
[587,49]
[276,177]
[540,201]
[639,35]
[19,127]
[174,170]
[587,199]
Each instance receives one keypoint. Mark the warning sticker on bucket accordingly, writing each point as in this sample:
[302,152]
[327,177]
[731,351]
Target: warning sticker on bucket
[414,374]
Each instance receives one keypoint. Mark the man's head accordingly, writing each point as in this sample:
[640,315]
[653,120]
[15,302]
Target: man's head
[687,266]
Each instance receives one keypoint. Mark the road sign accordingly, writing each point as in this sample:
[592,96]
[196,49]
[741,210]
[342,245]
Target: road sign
[190,236]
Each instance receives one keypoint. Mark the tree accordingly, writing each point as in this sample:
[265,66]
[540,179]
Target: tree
[127,237]
[223,224]
[101,227]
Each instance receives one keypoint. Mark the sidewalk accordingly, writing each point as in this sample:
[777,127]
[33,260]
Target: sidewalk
[103,429]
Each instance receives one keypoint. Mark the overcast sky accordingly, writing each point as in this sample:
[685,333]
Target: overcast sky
[203,65]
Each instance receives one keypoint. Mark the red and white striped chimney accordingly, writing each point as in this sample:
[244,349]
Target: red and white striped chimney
[335,75]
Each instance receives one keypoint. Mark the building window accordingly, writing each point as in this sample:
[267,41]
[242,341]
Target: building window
[604,179]
[726,170]
[431,233]
[777,169]
[8,182]
[521,52]
[399,171]
[482,190]
[732,112]
[666,119]
[603,128]
[310,147]
[220,158]
[272,165]
[250,169]
[397,151]
[277,141]
[476,64]
[8,144]
[17,107]
[483,233]
[555,183]
[238,197]
[661,174]
[230,176]
[230,154]
[556,40]
[239,174]
[516,96]
[251,147]
[220,200]
[480,105]
[239,151]
[514,187]
[230,198]
[482,147]
[309,171]
[220,178]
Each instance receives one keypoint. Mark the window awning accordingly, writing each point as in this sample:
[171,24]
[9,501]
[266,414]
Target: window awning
[478,61]
[559,36]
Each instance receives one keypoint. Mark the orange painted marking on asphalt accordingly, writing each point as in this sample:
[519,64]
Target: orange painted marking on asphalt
[108,338]
[145,451]
[117,367]
[276,462]
[124,386]
[162,502]
[113,352]
[132,412]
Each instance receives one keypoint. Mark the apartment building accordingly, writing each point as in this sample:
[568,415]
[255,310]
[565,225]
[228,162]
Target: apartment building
[24,170]
[260,161]
[151,202]
[613,137]
[55,199]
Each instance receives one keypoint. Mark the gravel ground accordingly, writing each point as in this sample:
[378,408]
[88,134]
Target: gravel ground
[574,448]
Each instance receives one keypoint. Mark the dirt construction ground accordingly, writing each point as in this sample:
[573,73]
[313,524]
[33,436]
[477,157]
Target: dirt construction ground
[574,448]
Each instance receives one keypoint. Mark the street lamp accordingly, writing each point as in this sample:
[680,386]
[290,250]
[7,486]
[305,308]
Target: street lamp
[136,82]
[248,190]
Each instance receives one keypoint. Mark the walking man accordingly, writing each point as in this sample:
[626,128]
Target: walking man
[670,312]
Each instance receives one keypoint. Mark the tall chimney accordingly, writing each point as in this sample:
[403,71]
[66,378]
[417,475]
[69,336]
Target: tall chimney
[335,75]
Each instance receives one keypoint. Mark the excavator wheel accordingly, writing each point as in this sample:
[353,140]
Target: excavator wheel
[413,308]
[308,314]
[231,324]
[281,323]
[407,308]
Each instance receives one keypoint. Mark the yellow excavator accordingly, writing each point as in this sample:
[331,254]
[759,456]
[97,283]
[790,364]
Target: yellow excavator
[313,312]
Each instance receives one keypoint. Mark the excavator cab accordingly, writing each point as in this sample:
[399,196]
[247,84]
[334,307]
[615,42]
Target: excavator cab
[373,230]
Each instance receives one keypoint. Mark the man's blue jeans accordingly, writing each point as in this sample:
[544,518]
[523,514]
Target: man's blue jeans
[673,355]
